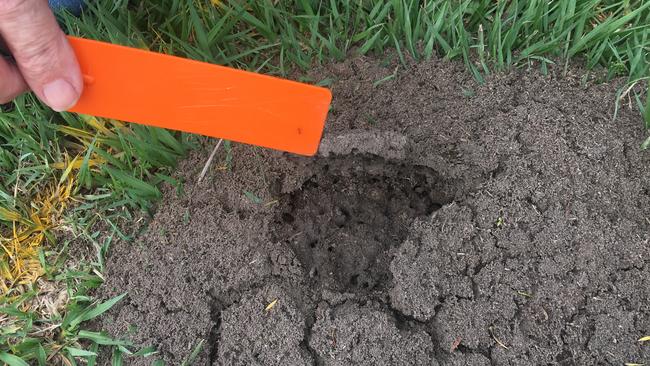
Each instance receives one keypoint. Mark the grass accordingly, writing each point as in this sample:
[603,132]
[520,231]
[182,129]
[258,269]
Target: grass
[61,174]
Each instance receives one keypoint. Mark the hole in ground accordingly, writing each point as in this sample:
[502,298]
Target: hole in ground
[345,219]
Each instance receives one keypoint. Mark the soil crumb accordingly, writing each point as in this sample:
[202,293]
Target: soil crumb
[442,222]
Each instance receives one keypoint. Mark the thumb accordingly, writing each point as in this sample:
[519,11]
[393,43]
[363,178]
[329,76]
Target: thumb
[42,52]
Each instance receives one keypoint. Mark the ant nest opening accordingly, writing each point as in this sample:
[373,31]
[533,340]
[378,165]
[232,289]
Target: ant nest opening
[344,220]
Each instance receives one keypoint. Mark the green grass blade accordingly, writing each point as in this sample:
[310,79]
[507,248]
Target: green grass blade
[41,356]
[646,112]
[78,352]
[118,358]
[94,312]
[100,338]
[12,360]
[195,353]
[609,27]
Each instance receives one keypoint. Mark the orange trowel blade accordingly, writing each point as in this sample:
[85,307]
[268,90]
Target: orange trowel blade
[154,89]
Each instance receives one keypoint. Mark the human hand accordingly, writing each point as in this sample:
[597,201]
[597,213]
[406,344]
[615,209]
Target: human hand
[44,61]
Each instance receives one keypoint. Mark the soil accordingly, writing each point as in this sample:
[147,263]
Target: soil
[442,222]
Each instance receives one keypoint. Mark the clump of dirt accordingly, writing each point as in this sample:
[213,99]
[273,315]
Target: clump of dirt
[442,222]
[239,341]
[343,221]
[351,335]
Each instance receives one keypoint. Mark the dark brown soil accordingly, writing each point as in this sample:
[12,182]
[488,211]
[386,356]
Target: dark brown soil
[442,223]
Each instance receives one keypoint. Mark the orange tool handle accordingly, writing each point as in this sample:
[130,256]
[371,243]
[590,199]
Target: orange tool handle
[155,89]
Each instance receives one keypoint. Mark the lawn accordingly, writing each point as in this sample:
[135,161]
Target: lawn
[64,176]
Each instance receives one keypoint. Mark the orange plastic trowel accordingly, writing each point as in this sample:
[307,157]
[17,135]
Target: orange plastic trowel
[154,89]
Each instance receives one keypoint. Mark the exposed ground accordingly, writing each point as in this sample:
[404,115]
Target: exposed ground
[442,222]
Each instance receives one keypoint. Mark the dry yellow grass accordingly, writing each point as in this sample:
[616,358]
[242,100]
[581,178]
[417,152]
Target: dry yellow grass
[19,256]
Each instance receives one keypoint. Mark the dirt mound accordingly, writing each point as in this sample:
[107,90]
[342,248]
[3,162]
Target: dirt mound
[443,222]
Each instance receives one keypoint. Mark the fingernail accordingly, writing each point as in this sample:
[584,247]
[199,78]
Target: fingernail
[60,95]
